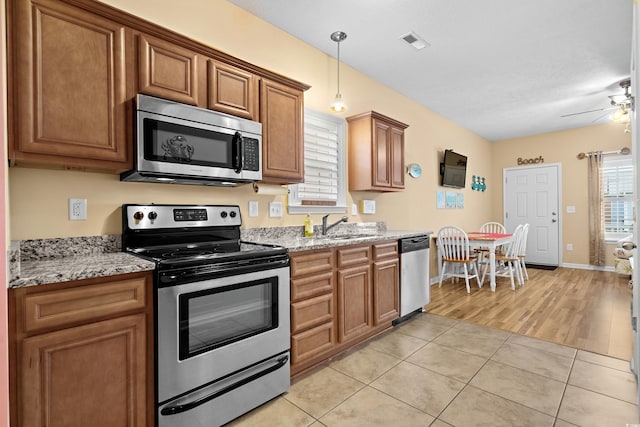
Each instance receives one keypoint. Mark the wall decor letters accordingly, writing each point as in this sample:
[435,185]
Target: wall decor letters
[522,161]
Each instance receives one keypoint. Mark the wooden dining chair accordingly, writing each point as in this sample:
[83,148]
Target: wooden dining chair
[483,251]
[492,227]
[508,263]
[453,244]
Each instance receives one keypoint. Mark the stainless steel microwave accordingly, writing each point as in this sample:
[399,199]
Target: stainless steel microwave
[183,144]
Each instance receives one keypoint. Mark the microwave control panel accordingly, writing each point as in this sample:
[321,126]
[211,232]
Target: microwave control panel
[251,154]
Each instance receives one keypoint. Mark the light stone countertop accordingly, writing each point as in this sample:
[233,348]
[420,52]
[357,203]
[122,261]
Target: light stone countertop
[55,270]
[43,261]
[292,237]
[300,243]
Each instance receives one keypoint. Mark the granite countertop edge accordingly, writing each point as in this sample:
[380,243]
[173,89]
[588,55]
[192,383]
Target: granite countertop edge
[46,261]
[299,243]
[56,270]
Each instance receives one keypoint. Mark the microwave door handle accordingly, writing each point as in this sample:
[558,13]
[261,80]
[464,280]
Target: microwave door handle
[237,152]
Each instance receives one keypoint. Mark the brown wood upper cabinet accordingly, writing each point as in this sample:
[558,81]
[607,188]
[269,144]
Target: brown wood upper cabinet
[74,67]
[67,87]
[232,90]
[169,71]
[281,114]
[376,153]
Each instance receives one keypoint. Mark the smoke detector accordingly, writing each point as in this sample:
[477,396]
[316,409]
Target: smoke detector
[415,40]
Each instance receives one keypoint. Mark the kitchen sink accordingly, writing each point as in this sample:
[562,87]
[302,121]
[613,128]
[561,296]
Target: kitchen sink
[350,236]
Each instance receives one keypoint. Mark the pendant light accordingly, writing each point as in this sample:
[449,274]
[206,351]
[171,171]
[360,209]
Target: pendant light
[338,105]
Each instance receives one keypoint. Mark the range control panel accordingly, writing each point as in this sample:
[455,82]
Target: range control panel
[142,217]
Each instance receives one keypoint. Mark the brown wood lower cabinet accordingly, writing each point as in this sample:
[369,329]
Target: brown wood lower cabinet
[82,353]
[340,297]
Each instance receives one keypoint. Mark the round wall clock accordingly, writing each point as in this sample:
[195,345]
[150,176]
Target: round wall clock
[414,170]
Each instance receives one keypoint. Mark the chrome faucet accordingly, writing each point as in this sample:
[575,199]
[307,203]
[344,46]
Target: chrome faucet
[326,227]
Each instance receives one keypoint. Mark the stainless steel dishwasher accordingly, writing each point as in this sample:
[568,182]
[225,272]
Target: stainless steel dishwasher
[414,275]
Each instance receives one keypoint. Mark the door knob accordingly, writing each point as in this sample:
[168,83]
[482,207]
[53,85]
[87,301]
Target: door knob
[554,220]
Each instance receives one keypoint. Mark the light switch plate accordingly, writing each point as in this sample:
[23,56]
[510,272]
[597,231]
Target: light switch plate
[354,209]
[571,209]
[275,209]
[253,208]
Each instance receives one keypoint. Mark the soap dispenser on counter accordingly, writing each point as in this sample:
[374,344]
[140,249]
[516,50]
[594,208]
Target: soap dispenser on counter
[308,226]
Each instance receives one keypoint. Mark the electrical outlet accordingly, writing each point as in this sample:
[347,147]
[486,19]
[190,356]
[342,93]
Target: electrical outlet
[275,209]
[569,246]
[253,208]
[77,209]
[354,209]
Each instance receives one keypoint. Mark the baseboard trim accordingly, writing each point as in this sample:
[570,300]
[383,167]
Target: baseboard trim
[436,280]
[588,267]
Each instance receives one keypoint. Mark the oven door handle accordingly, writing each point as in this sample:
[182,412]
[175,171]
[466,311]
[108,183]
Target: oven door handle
[236,267]
[177,409]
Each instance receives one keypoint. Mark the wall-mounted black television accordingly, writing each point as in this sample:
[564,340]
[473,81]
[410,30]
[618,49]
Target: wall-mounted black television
[453,169]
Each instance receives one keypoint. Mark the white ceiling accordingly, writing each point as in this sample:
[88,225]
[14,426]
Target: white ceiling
[500,68]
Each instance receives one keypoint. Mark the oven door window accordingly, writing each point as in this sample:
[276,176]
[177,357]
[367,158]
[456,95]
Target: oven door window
[217,317]
[174,143]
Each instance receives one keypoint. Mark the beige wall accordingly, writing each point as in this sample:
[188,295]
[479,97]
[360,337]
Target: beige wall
[562,147]
[38,198]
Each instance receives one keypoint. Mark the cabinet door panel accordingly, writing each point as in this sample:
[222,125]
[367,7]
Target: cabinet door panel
[385,291]
[397,158]
[354,302]
[307,287]
[382,155]
[69,88]
[62,308]
[353,255]
[281,112]
[385,250]
[86,376]
[168,71]
[311,262]
[233,91]
[312,343]
[311,312]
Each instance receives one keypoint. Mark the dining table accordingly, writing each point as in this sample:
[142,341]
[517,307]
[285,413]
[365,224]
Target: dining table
[491,241]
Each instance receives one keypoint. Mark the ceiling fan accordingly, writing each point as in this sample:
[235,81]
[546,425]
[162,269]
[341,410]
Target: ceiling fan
[621,102]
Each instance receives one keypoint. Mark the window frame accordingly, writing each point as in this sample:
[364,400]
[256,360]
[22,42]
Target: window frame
[611,162]
[294,204]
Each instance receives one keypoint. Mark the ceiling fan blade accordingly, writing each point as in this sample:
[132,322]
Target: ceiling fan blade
[589,111]
[599,119]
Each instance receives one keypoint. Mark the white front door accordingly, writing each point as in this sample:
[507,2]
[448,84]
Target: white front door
[531,195]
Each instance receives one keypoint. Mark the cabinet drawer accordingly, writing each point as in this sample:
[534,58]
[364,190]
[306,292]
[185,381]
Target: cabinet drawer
[311,286]
[353,255]
[385,249]
[312,343]
[311,312]
[65,307]
[311,262]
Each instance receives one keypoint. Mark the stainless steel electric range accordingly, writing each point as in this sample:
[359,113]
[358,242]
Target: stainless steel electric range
[221,312]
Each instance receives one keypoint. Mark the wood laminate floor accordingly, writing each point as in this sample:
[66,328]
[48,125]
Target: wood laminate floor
[585,309]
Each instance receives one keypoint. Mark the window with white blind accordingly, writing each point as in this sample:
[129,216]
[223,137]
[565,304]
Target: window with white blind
[617,192]
[324,187]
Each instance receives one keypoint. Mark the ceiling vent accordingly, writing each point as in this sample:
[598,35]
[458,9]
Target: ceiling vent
[415,40]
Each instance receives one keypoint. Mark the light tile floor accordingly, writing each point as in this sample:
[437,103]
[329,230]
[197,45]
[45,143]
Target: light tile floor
[436,371]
